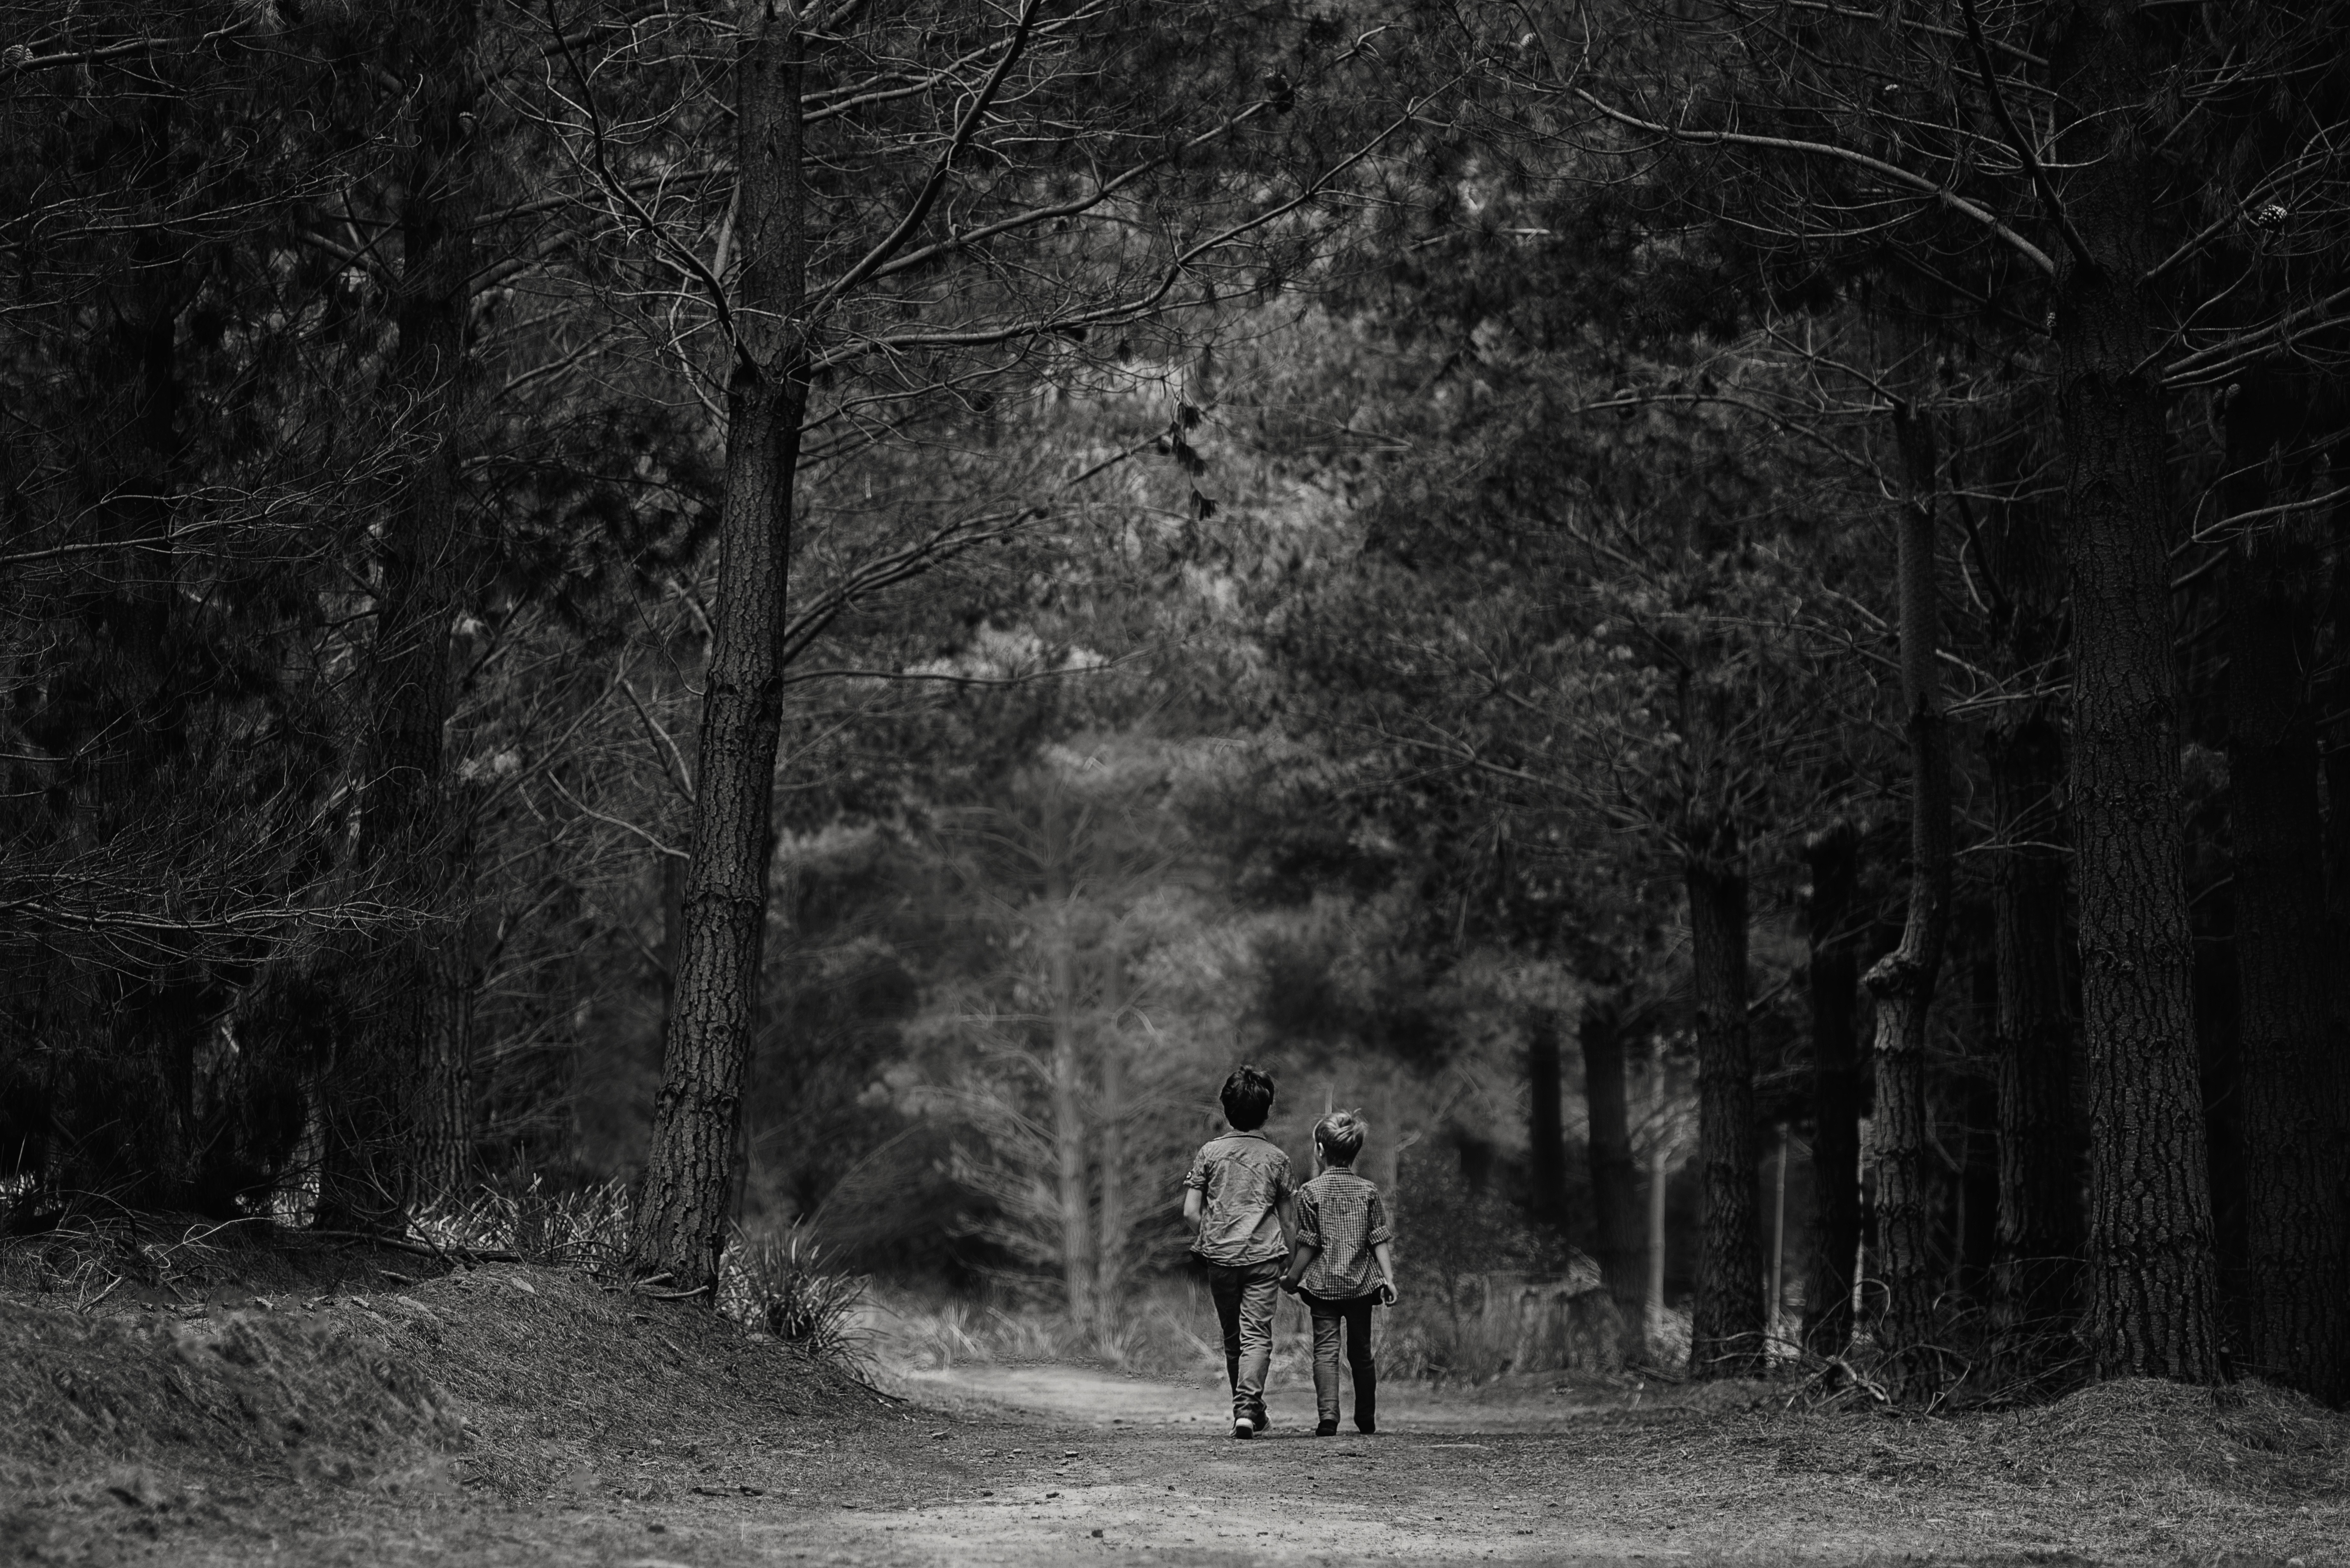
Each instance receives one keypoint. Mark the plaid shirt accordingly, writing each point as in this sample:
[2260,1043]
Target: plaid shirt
[1340,1213]
[1242,1179]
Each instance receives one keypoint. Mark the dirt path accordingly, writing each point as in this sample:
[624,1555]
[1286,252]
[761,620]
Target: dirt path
[1054,1465]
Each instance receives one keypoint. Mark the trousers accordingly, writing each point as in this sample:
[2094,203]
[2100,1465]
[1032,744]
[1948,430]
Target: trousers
[1245,1296]
[1354,1317]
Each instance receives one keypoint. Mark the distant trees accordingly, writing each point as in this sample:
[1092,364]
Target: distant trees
[1016,160]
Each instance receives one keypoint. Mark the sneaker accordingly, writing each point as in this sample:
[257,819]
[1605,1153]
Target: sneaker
[1326,1429]
[1243,1427]
[1257,1414]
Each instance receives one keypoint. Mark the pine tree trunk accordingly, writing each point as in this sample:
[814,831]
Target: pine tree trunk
[2153,1285]
[1833,973]
[1545,1125]
[682,1204]
[2040,1220]
[1110,1272]
[1068,1068]
[1652,1295]
[395,1074]
[444,1099]
[2294,1297]
[120,1111]
[1726,1331]
[2041,1227]
[1903,981]
[1615,1178]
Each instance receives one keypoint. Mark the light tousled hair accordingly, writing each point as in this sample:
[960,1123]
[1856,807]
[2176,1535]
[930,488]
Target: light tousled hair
[1341,1135]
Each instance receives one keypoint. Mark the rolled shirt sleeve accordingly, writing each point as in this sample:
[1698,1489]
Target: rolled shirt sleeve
[1309,1221]
[1380,1234]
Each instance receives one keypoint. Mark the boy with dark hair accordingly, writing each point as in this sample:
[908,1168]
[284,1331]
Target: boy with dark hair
[1236,1202]
[1342,1267]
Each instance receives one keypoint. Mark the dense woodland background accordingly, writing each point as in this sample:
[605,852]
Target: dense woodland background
[1728,616]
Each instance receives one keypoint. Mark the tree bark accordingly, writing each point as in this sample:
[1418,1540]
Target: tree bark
[2153,1286]
[1545,1125]
[2036,1267]
[1067,1071]
[682,1204]
[1615,1178]
[1110,1268]
[1833,976]
[1726,1331]
[1903,981]
[400,1072]
[2294,1295]
[1659,1175]
[2037,1280]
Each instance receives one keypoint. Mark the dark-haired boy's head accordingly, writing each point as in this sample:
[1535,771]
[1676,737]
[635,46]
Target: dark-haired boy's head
[1247,1097]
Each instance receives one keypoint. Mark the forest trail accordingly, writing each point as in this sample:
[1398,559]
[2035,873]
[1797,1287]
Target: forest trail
[582,1427]
[1107,1398]
[1056,1465]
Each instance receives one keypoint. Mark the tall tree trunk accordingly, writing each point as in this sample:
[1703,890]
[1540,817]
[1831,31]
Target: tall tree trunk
[120,1117]
[2037,1283]
[1387,1140]
[1068,1070]
[1833,973]
[1903,981]
[2036,1279]
[1615,1178]
[1109,1265]
[1652,1294]
[445,1121]
[1545,1123]
[2153,1285]
[2294,1297]
[682,1204]
[1726,1331]
[398,1073]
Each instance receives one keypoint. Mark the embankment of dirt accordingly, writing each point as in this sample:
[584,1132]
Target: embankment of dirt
[503,1378]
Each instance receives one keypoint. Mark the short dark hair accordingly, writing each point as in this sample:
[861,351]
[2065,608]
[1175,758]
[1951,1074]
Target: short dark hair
[1341,1134]
[1247,1096]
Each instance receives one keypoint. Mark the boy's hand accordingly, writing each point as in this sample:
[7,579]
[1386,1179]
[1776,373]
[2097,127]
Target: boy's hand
[1386,1293]
[1288,1284]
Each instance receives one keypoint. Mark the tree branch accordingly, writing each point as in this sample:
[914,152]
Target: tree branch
[1894,172]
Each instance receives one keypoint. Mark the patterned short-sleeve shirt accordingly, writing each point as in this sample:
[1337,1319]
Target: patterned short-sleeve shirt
[1242,1179]
[1340,1213]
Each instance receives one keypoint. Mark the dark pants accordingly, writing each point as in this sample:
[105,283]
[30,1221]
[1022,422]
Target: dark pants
[1245,1296]
[1354,1316]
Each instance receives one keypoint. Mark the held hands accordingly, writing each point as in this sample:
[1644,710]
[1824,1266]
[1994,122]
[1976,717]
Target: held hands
[1288,1283]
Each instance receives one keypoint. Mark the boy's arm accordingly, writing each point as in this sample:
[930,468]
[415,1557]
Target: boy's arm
[1301,1254]
[1304,1240]
[1192,1207]
[1385,1253]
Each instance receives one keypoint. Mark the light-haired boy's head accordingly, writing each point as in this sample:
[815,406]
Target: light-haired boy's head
[1340,1136]
[1247,1097]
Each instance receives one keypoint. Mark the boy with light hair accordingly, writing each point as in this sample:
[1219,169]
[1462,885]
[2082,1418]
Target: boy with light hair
[1236,1201]
[1342,1265]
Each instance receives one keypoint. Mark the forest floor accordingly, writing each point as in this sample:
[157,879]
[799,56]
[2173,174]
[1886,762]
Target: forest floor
[513,1415]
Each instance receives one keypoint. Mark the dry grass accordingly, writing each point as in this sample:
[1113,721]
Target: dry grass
[161,1404]
[2251,1439]
[277,1395]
